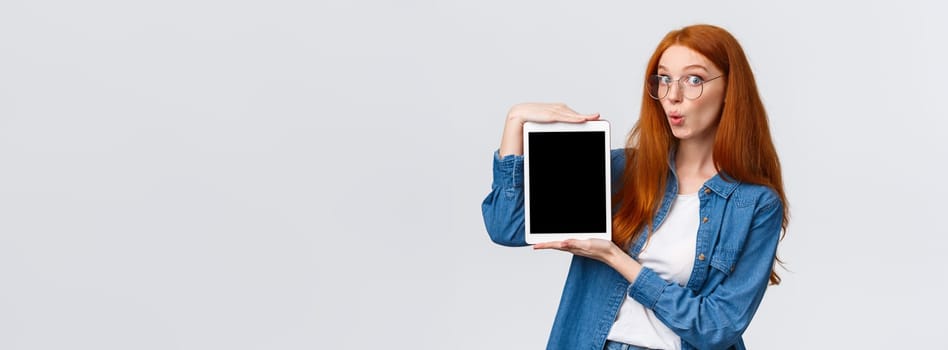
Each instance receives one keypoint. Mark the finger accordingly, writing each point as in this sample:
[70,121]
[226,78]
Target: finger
[571,112]
[571,117]
[547,245]
[585,117]
[563,113]
[551,248]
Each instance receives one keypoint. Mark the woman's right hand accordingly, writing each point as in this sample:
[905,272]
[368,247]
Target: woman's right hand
[512,141]
[546,113]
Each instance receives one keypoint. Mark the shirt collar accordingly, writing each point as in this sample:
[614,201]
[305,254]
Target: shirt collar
[721,183]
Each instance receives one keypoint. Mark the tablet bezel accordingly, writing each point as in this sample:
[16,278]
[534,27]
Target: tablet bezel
[589,126]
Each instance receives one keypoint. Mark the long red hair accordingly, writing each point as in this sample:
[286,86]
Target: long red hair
[743,148]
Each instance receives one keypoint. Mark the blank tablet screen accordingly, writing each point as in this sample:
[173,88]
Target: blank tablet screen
[567,182]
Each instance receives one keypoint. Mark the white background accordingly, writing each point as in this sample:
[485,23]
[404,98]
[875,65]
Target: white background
[210,174]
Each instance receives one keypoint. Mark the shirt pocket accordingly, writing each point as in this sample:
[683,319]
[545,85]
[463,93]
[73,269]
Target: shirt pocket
[724,260]
[721,266]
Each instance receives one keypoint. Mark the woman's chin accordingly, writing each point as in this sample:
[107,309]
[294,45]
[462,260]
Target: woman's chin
[680,134]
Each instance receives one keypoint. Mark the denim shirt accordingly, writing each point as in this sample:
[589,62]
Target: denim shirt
[737,241]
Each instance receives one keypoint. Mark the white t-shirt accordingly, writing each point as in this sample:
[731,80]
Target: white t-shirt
[670,252]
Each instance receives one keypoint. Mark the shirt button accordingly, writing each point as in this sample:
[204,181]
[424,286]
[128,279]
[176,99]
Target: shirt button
[707,190]
[705,219]
[701,256]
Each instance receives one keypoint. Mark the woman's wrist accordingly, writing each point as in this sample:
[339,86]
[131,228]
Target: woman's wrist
[514,119]
[624,264]
[612,257]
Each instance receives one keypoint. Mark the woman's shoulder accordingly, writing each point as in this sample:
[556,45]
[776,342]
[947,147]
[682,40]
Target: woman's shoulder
[756,194]
[618,162]
[618,154]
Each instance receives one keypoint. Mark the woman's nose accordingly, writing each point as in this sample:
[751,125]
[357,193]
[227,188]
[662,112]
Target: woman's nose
[674,93]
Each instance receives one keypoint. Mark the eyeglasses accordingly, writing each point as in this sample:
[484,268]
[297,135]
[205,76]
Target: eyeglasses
[691,86]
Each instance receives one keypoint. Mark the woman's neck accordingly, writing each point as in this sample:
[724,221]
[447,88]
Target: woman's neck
[695,159]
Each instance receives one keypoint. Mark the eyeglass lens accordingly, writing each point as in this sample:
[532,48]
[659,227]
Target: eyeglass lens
[659,86]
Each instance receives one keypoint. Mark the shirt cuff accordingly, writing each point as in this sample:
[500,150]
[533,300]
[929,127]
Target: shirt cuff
[508,171]
[647,288]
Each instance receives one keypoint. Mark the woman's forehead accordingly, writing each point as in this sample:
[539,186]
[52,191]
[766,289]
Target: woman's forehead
[678,57]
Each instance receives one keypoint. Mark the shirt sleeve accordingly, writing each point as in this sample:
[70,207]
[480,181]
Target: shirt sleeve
[717,320]
[503,207]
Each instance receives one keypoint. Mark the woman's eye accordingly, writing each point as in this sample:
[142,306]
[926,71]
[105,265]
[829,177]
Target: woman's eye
[664,79]
[694,80]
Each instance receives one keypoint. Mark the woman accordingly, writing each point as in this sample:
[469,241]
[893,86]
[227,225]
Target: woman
[699,205]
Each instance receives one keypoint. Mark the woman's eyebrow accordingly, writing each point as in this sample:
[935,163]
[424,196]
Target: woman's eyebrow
[698,66]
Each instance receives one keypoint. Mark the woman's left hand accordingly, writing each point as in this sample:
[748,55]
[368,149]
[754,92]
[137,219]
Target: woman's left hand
[595,248]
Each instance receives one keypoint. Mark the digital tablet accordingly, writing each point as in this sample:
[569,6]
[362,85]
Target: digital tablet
[567,181]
